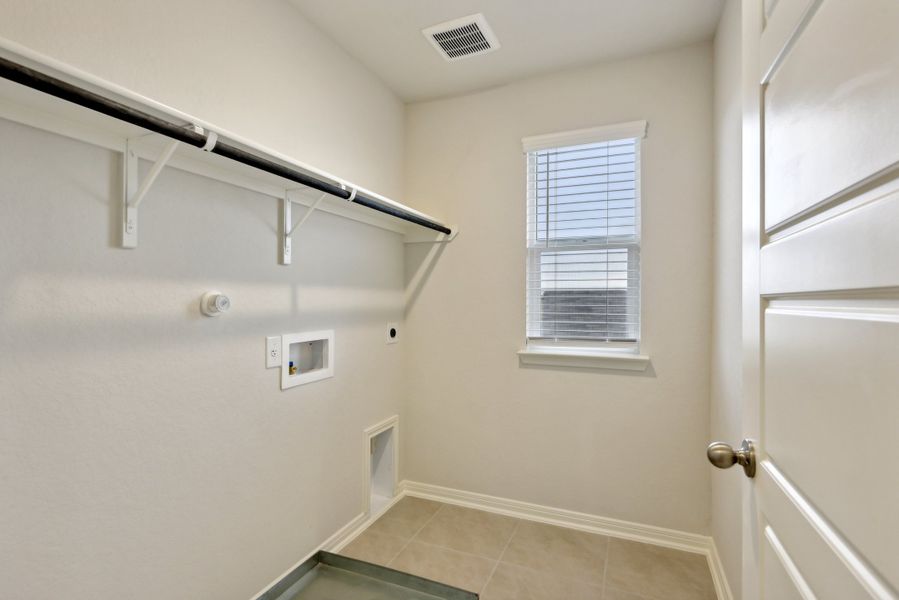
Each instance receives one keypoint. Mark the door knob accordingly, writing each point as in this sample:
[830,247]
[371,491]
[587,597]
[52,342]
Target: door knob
[724,456]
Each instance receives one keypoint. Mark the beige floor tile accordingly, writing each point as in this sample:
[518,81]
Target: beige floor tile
[458,546]
[510,582]
[467,530]
[415,512]
[658,573]
[447,566]
[375,547]
[613,594]
[566,553]
[393,526]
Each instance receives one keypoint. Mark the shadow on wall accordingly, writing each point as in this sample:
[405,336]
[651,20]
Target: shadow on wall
[196,234]
[420,262]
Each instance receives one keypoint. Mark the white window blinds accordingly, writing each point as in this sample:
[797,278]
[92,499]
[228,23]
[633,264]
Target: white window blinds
[583,274]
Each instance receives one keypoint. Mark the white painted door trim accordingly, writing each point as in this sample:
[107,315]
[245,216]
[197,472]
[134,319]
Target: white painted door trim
[752,22]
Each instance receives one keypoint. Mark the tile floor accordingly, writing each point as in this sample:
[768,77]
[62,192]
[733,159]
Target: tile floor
[504,558]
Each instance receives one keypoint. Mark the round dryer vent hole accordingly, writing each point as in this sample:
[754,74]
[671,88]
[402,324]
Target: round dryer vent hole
[393,333]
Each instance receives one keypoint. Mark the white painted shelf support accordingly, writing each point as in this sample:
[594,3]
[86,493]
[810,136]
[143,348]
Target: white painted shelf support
[115,115]
[288,227]
[133,194]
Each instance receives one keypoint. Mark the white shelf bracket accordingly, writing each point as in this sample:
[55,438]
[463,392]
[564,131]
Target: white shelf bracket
[288,227]
[133,194]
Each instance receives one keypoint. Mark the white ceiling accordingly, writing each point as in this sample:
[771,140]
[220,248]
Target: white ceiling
[536,36]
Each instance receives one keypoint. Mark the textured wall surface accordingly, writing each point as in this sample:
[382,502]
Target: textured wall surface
[147,452]
[258,69]
[613,443]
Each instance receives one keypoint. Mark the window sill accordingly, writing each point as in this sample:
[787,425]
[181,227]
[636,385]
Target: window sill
[582,358]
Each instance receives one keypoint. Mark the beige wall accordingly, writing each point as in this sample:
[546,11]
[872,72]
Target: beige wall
[150,452]
[726,407]
[258,69]
[612,443]
[146,451]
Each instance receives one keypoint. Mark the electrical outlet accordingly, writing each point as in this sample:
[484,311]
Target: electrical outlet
[272,352]
[393,333]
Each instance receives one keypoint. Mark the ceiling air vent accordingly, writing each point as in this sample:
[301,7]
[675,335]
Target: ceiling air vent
[461,38]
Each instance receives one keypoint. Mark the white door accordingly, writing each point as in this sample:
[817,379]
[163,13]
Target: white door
[821,298]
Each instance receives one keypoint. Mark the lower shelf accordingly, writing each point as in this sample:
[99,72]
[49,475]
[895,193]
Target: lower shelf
[326,576]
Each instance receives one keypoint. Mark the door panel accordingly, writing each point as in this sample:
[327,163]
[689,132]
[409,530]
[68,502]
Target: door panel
[830,107]
[783,579]
[831,417]
[856,249]
[822,350]
[812,545]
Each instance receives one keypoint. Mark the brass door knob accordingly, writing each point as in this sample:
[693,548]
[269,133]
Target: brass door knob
[724,456]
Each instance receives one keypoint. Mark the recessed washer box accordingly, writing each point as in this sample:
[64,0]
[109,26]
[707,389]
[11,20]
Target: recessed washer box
[312,353]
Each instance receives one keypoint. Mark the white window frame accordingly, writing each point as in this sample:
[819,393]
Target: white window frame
[589,353]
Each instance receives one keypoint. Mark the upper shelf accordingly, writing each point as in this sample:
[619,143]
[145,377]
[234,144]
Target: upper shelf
[44,93]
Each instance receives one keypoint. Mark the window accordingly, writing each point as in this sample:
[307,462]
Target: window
[583,238]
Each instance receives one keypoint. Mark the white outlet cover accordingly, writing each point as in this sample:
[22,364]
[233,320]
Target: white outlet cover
[273,352]
[393,328]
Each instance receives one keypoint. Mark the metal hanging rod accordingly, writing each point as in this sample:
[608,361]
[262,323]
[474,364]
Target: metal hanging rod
[188,134]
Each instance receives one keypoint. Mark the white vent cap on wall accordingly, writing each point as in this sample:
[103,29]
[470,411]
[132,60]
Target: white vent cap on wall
[461,38]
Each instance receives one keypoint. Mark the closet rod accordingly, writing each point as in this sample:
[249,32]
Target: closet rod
[184,133]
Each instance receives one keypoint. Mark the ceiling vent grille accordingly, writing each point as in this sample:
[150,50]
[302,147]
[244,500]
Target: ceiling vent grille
[461,38]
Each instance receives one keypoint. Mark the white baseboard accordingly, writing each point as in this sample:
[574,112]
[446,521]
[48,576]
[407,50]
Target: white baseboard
[722,588]
[649,534]
[360,524]
[345,533]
